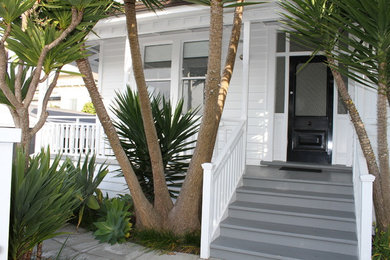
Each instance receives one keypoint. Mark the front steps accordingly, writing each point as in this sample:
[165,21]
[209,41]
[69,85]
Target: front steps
[290,214]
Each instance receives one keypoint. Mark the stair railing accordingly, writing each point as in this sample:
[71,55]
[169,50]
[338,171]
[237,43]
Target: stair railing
[363,186]
[220,180]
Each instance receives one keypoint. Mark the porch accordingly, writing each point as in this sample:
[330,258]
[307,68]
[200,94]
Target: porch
[278,210]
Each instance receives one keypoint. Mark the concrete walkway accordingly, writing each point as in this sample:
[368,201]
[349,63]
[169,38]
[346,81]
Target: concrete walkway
[82,245]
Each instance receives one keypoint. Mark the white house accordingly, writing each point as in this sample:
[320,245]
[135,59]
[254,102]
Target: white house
[313,208]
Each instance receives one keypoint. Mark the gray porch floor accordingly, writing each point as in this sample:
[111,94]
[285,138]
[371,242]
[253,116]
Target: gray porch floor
[82,245]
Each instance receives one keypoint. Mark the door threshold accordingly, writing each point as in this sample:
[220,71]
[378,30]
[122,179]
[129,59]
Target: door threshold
[304,165]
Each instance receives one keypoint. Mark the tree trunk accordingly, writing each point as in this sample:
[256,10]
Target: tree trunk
[148,217]
[382,213]
[39,251]
[184,217]
[229,65]
[162,200]
[383,150]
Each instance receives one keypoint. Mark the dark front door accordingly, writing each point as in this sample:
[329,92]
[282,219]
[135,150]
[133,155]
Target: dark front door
[310,111]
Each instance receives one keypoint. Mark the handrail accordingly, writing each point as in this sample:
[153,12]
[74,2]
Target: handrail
[220,180]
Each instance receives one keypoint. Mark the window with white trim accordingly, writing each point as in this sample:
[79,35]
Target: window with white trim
[194,70]
[157,67]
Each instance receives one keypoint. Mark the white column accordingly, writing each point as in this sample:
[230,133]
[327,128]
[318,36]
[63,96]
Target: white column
[207,211]
[366,216]
[245,69]
[8,136]
[245,80]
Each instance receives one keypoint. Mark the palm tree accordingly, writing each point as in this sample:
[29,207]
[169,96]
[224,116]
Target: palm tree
[355,37]
[162,214]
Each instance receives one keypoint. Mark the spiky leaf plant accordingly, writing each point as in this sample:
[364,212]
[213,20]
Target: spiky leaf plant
[174,128]
[87,179]
[42,201]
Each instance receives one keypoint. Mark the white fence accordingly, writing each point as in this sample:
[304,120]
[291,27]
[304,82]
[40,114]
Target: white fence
[220,180]
[363,181]
[74,137]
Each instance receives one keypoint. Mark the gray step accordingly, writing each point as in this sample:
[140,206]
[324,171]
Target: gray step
[339,168]
[296,198]
[301,216]
[233,249]
[298,184]
[336,241]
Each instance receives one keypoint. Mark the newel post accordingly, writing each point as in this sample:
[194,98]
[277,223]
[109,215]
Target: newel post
[366,216]
[8,136]
[207,211]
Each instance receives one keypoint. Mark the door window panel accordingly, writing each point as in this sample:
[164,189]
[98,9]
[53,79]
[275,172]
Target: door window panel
[311,89]
[280,83]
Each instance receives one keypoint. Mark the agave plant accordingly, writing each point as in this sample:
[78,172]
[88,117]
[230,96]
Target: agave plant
[87,184]
[174,128]
[42,201]
[114,224]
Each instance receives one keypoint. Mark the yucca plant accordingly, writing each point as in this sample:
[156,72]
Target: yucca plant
[42,201]
[174,128]
[87,182]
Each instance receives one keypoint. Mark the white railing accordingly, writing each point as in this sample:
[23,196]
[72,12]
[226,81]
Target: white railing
[363,184]
[220,180]
[74,137]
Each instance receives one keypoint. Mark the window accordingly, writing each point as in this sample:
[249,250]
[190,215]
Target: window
[157,66]
[194,70]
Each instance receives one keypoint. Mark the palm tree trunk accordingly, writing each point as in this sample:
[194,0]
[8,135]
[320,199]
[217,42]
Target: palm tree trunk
[185,216]
[229,64]
[162,200]
[382,213]
[383,148]
[148,217]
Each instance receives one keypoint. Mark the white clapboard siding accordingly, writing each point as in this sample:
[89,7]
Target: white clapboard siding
[112,67]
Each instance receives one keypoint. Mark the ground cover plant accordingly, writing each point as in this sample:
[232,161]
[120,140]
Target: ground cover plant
[167,242]
[381,245]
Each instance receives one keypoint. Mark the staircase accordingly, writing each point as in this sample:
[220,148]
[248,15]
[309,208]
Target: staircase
[295,212]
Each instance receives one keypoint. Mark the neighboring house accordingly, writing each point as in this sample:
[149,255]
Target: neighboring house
[319,205]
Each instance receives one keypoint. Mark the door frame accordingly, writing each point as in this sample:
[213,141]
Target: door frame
[291,104]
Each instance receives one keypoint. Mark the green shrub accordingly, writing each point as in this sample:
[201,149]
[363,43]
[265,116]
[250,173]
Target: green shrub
[173,130]
[42,201]
[114,225]
[381,245]
[87,182]
[89,108]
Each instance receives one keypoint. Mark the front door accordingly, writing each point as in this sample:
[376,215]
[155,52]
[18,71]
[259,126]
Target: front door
[310,111]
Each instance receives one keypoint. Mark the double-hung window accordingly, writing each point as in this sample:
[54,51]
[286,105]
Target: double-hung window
[194,70]
[157,67]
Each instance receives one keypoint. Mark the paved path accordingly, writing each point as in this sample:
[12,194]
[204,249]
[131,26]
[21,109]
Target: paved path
[82,245]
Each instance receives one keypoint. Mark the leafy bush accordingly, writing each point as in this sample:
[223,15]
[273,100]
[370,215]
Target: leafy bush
[85,181]
[42,201]
[114,224]
[173,131]
[89,108]
[381,245]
